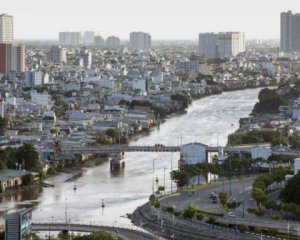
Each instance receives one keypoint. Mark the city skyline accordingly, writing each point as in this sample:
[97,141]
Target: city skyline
[163,20]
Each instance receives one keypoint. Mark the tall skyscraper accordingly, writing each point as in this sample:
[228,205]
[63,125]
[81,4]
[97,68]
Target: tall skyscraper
[140,40]
[112,42]
[221,45]
[290,31]
[12,57]
[99,41]
[70,38]
[89,37]
[6,28]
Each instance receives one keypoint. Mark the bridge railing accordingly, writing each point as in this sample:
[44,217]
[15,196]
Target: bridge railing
[75,223]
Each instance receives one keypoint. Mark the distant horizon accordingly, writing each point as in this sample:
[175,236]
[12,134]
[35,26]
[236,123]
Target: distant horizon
[164,20]
[153,40]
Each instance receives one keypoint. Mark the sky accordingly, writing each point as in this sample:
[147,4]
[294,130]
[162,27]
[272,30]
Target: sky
[163,19]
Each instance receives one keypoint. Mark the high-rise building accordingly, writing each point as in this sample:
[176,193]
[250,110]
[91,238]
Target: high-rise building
[140,40]
[87,58]
[221,45]
[99,41]
[70,38]
[6,28]
[89,37]
[113,42]
[12,57]
[57,54]
[290,31]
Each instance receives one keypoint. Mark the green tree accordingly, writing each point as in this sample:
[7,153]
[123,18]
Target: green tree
[27,179]
[2,165]
[269,102]
[3,125]
[29,158]
[180,177]
[113,133]
[291,192]
[189,213]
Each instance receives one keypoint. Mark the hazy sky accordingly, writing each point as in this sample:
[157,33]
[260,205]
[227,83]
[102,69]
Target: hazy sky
[163,19]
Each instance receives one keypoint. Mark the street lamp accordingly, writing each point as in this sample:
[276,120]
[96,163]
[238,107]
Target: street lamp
[66,211]
[51,220]
[153,190]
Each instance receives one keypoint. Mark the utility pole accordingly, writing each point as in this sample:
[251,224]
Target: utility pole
[243,192]
[171,171]
[164,179]
[229,177]
[153,177]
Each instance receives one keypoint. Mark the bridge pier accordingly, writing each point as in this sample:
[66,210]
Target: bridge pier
[117,161]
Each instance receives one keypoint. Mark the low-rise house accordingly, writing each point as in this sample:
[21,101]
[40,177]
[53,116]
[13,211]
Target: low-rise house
[10,179]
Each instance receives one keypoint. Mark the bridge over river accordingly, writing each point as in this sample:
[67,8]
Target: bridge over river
[128,233]
[161,148]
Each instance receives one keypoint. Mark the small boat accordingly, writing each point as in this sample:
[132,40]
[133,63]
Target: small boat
[103,205]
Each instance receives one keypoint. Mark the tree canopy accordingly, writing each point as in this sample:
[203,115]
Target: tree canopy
[291,192]
[3,125]
[269,102]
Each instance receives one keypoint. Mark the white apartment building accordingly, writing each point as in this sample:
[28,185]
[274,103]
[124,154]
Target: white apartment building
[140,40]
[221,45]
[39,98]
[139,84]
[6,28]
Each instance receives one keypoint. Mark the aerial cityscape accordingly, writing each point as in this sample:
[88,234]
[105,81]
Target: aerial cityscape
[123,121]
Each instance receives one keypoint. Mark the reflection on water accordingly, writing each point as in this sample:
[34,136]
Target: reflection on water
[23,195]
[207,120]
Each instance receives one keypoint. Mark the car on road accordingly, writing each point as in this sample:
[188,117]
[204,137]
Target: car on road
[231,214]
[213,195]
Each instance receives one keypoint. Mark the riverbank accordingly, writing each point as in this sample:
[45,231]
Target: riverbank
[124,191]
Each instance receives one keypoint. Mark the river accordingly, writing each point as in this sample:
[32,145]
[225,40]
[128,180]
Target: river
[208,120]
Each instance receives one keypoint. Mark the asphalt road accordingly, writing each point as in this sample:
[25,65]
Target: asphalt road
[201,199]
[169,227]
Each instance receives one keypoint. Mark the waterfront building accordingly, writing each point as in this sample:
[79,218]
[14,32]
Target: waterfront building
[113,42]
[192,153]
[6,28]
[221,45]
[18,225]
[290,31]
[57,54]
[140,41]
[70,38]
